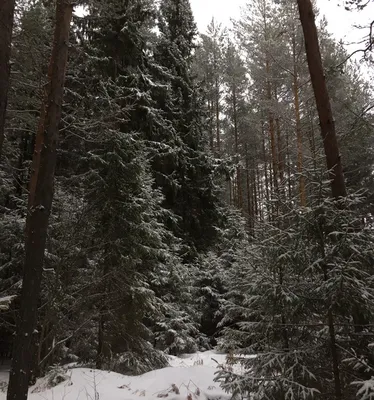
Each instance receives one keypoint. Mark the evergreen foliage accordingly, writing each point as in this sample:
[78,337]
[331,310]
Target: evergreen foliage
[191,206]
[302,268]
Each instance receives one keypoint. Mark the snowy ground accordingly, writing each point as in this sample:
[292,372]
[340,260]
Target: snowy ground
[192,375]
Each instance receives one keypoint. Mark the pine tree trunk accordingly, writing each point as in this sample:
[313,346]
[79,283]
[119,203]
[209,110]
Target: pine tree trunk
[330,142]
[249,190]
[322,98]
[217,117]
[259,194]
[271,184]
[274,158]
[265,165]
[211,138]
[236,138]
[299,137]
[6,27]
[280,155]
[288,165]
[39,140]
[255,192]
[38,214]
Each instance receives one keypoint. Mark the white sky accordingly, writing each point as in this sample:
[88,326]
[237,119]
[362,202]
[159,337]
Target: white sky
[340,21]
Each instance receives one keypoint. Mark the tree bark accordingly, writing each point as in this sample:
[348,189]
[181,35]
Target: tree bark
[38,214]
[330,144]
[299,137]
[6,27]
[250,206]
[236,139]
[322,98]
[259,195]
[280,151]
[211,134]
[288,158]
[274,156]
[265,165]
[255,195]
[218,134]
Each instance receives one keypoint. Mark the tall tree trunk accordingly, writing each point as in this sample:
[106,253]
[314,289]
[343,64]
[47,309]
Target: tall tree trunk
[255,196]
[280,152]
[259,194]
[330,142]
[322,98]
[39,140]
[217,116]
[249,192]
[6,27]
[265,166]
[288,157]
[274,158]
[211,133]
[38,214]
[299,138]
[236,138]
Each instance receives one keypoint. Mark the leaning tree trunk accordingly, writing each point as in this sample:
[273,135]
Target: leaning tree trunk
[330,143]
[321,95]
[6,26]
[38,213]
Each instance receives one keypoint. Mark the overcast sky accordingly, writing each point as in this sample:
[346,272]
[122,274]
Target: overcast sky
[340,21]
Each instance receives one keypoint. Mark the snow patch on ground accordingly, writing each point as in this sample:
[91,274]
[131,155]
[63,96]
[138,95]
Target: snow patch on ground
[189,377]
[208,358]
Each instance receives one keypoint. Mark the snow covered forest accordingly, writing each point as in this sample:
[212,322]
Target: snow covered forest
[166,192]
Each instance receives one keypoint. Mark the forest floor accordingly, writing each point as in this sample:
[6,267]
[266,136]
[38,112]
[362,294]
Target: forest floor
[192,375]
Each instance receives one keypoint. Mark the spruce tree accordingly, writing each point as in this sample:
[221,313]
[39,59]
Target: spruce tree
[187,175]
[133,256]
[302,268]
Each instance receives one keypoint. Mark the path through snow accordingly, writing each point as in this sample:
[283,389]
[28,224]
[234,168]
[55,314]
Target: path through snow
[192,374]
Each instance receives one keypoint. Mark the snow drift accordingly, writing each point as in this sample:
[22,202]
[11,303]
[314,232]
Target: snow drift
[189,377]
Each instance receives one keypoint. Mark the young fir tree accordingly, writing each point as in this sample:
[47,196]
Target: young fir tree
[310,265]
[210,287]
[130,252]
